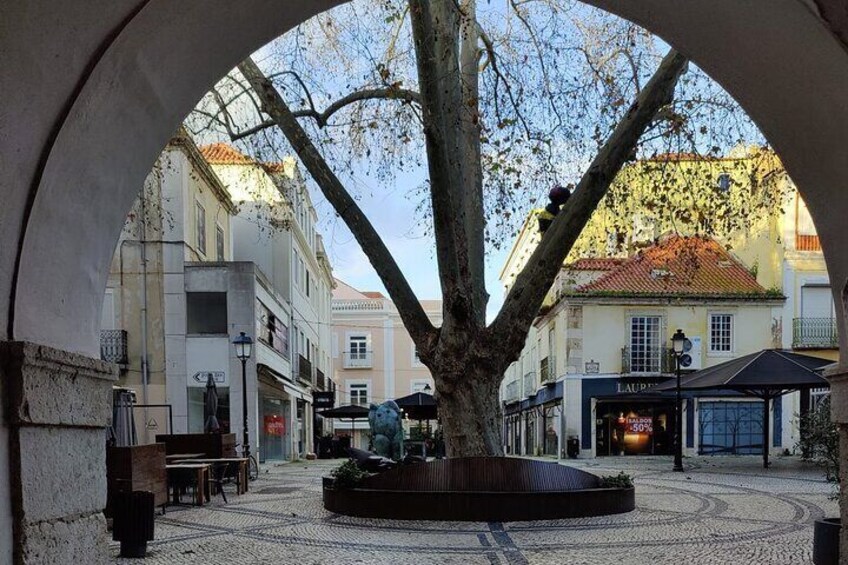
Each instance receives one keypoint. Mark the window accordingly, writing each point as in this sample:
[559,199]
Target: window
[721,333]
[308,282]
[358,394]
[416,361]
[358,346]
[645,349]
[273,331]
[200,226]
[206,312]
[219,242]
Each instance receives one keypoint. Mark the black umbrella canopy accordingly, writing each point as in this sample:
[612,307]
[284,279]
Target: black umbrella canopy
[767,374]
[349,412]
[769,370]
[419,406]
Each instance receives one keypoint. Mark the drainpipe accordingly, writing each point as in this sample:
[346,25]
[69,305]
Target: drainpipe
[145,368]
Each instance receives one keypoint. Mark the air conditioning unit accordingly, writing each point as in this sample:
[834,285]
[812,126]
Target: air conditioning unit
[691,360]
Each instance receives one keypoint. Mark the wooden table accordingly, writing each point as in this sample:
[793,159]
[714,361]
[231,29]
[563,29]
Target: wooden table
[182,456]
[242,463]
[201,471]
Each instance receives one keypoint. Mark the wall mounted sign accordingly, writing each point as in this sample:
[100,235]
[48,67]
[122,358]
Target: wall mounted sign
[593,367]
[202,377]
[323,399]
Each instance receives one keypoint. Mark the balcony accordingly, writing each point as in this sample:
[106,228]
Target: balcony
[814,333]
[113,346]
[807,243]
[529,383]
[650,361]
[357,359]
[547,370]
[320,380]
[511,392]
[304,370]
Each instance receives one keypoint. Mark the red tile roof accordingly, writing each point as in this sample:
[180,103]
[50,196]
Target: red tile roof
[595,264]
[373,294]
[224,154]
[679,266]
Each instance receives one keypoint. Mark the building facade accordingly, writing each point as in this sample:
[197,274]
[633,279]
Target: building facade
[570,384]
[374,358]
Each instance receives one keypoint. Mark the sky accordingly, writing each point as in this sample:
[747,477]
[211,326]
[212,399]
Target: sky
[394,217]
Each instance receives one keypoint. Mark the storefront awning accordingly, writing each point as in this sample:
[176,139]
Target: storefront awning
[288,387]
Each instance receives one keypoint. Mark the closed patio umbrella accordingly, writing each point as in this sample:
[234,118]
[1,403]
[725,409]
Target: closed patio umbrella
[766,374]
[210,408]
[123,423]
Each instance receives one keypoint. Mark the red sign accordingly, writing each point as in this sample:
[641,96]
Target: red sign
[640,425]
[275,425]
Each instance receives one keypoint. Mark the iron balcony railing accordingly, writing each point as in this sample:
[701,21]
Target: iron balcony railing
[650,360]
[113,346]
[320,381]
[357,359]
[814,333]
[547,370]
[304,370]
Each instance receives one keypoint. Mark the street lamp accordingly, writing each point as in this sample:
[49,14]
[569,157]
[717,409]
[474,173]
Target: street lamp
[244,346]
[678,344]
[427,388]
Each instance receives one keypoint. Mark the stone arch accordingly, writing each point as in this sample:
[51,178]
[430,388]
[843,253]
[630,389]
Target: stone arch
[93,91]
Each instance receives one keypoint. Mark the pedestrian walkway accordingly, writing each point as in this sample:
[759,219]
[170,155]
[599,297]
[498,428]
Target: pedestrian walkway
[723,510]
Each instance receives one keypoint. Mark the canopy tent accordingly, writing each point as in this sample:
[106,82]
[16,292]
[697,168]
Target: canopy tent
[767,374]
[419,406]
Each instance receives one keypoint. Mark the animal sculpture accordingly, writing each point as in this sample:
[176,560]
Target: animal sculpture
[386,430]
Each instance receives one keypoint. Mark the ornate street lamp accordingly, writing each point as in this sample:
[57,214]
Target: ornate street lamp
[678,344]
[427,388]
[244,347]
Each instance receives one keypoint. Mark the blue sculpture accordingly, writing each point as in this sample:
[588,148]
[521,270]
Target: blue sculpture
[386,430]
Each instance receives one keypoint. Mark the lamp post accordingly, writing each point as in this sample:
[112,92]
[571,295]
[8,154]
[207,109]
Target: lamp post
[244,344]
[678,343]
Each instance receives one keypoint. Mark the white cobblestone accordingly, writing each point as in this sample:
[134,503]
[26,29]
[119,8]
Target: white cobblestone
[721,511]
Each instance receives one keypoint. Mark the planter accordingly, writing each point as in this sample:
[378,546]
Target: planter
[826,541]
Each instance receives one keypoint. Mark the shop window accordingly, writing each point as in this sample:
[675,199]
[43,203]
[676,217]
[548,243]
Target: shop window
[196,403]
[721,333]
[206,312]
[734,428]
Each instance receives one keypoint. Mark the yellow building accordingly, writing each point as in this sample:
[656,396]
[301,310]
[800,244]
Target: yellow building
[751,207]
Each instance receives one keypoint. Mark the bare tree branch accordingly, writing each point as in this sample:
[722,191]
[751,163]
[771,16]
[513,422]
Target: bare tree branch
[420,329]
[533,283]
[321,118]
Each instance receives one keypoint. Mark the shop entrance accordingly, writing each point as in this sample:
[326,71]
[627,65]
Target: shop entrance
[633,428]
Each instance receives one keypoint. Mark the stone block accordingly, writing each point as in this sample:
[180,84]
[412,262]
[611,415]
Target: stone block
[75,541]
[47,386]
[62,472]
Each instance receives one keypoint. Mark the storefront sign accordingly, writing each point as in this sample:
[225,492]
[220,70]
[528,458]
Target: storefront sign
[275,425]
[640,425]
[323,399]
[630,387]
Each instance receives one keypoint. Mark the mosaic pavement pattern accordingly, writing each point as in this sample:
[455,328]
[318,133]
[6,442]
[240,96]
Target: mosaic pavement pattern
[721,511]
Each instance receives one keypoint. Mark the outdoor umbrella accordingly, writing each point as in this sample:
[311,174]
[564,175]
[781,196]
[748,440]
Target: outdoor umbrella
[767,374]
[210,407]
[349,412]
[123,423]
[419,406]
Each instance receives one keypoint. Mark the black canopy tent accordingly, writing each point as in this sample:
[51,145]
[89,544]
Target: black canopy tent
[419,406]
[767,374]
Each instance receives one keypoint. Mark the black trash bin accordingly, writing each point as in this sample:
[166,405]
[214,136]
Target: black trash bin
[572,448]
[133,522]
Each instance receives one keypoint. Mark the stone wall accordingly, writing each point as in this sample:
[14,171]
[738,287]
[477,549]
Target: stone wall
[58,404]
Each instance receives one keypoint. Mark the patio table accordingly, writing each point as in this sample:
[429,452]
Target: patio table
[201,480]
[240,461]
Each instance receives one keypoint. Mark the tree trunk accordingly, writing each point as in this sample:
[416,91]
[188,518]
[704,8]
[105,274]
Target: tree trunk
[470,413]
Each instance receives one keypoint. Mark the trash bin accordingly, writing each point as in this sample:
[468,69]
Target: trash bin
[133,522]
[572,447]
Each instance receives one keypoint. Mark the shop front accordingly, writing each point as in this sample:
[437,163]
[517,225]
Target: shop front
[275,421]
[620,418]
[533,426]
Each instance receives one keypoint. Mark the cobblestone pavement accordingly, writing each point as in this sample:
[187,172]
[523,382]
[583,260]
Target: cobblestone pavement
[721,511]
